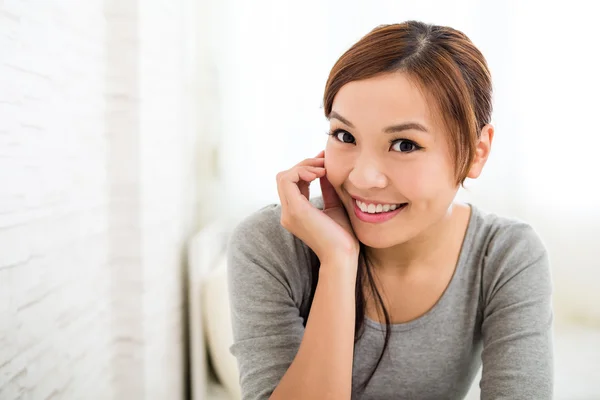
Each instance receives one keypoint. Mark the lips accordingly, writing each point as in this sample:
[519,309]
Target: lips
[376,217]
[374,201]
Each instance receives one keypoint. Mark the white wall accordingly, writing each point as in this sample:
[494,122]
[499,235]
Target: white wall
[275,60]
[99,191]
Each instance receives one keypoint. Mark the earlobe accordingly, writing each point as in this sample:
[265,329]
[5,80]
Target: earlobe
[482,151]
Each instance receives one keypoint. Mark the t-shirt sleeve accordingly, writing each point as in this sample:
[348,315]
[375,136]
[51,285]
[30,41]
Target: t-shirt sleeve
[264,274]
[517,352]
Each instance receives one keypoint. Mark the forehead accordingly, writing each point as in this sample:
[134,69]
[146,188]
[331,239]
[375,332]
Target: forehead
[383,100]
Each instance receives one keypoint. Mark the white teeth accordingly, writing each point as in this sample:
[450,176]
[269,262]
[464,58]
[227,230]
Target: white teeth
[376,208]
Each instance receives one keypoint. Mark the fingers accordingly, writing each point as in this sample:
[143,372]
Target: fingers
[330,197]
[314,172]
[309,174]
[301,173]
[294,183]
[318,161]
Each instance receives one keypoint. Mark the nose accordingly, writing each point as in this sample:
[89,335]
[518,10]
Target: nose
[367,174]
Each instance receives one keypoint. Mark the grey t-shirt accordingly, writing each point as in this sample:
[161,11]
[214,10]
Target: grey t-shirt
[496,311]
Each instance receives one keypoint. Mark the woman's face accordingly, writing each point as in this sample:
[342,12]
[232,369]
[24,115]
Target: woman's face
[388,148]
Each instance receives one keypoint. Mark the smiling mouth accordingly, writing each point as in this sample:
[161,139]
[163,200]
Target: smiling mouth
[376,213]
[374,208]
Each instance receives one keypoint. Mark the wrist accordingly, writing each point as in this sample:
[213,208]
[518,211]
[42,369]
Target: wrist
[341,260]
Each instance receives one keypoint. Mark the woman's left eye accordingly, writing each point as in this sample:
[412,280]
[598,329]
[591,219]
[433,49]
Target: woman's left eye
[405,146]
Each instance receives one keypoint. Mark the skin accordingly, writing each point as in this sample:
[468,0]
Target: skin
[414,253]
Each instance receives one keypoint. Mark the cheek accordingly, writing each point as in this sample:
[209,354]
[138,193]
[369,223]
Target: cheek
[428,178]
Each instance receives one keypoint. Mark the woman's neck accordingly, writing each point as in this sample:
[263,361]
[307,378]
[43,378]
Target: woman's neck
[429,249]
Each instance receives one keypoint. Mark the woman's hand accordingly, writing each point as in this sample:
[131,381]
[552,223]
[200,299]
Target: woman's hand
[328,233]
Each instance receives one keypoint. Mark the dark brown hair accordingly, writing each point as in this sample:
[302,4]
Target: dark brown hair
[452,73]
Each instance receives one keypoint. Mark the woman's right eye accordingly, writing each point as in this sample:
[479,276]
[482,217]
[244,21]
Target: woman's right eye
[343,136]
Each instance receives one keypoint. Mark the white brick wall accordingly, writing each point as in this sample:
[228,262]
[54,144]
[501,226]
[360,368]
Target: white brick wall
[98,195]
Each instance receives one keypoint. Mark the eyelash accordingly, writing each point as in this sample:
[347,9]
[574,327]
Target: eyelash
[335,132]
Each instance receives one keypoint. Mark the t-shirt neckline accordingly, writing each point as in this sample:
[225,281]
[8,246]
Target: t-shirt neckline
[439,305]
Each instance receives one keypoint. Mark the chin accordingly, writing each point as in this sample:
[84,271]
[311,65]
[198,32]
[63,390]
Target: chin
[376,238]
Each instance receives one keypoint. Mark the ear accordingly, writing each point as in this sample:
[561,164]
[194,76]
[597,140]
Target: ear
[482,151]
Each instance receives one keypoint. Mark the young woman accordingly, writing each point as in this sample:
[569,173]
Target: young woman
[386,288]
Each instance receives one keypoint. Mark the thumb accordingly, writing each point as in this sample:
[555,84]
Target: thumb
[330,197]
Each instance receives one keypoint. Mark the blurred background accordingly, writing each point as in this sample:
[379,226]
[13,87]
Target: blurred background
[135,134]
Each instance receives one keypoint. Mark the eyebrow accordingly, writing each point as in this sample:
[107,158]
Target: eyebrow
[390,129]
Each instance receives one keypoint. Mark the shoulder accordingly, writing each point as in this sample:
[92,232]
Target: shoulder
[509,248]
[503,236]
[263,230]
[260,245]
[259,229]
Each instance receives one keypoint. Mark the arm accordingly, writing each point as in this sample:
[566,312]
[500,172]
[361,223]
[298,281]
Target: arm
[322,369]
[517,319]
[276,356]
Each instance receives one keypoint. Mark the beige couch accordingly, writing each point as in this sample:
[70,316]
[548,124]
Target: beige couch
[214,371]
